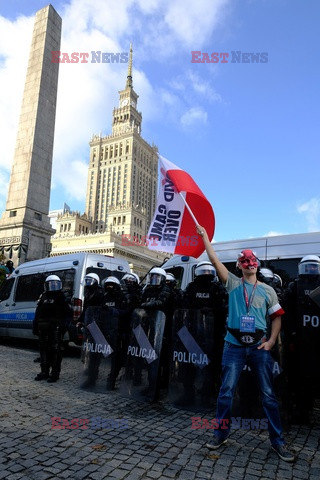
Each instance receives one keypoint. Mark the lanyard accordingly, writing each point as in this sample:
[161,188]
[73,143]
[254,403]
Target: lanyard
[248,300]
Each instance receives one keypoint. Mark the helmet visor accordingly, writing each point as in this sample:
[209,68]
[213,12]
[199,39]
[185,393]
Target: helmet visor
[155,279]
[54,285]
[204,270]
[309,268]
[89,281]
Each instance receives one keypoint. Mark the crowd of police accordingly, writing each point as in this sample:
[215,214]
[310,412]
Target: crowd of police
[110,305]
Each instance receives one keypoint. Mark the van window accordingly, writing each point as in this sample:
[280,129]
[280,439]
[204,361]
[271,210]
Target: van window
[6,289]
[177,272]
[104,273]
[29,287]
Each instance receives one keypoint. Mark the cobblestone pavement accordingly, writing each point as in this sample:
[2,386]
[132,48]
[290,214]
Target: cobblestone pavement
[158,443]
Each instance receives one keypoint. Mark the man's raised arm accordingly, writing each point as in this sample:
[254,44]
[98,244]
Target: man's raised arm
[222,271]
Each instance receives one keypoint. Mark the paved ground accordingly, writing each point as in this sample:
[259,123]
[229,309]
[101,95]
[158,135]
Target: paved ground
[158,443]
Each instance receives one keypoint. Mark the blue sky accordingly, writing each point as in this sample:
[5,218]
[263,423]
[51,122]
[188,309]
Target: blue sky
[248,133]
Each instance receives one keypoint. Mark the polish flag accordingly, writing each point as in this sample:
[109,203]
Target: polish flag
[180,206]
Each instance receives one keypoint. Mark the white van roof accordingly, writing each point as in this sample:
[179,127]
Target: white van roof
[70,258]
[270,248]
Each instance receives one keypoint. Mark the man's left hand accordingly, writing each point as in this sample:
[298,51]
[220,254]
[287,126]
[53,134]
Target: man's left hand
[266,345]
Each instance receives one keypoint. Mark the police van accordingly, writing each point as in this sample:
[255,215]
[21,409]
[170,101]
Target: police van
[280,253]
[20,292]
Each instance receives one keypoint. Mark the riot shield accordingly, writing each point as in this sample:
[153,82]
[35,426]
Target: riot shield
[305,384]
[140,378]
[308,333]
[315,296]
[100,350]
[246,402]
[195,359]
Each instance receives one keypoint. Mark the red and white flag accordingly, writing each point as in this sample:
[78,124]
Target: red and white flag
[180,205]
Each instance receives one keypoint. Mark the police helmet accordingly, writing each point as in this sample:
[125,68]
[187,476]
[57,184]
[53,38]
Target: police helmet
[111,282]
[130,278]
[309,265]
[156,276]
[277,280]
[53,283]
[171,280]
[91,279]
[204,268]
[267,273]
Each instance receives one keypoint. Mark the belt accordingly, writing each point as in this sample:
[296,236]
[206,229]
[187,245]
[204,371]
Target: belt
[247,338]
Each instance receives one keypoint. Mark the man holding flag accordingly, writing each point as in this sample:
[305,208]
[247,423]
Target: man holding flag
[250,303]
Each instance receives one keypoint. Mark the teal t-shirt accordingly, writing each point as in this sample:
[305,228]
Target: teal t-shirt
[265,300]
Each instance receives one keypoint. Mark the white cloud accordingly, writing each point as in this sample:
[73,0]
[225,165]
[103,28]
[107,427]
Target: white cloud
[311,210]
[192,22]
[194,115]
[273,233]
[191,82]
[87,93]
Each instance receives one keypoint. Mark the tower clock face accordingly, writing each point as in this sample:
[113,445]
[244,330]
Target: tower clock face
[124,102]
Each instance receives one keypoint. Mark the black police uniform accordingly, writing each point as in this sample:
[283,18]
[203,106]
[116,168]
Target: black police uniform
[52,316]
[114,297]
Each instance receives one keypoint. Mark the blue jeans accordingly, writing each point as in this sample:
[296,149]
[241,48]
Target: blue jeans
[233,360]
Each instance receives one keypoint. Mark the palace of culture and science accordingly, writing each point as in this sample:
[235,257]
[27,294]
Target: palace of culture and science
[121,192]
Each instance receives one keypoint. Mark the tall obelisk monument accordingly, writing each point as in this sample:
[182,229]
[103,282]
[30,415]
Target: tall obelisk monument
[25,228]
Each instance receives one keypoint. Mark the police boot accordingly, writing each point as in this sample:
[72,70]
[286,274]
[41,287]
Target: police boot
[110,382]
[42,376]
[137,379]
[53,378]
[90,382]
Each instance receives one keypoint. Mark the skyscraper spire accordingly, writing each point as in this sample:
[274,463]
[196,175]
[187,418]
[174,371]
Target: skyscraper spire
[129,76]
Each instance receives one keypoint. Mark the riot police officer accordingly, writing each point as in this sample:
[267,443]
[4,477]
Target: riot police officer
[132,289]
[114,297]
[157,296]
[302,337]
[205,295]
[206,291]
[267,276]
[113,294]
[52,315]
[93,293]
[176,293]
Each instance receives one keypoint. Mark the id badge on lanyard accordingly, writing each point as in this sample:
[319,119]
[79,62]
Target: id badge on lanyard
[248,322]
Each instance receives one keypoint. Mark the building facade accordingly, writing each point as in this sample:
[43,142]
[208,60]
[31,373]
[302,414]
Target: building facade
[123,172]
[121,192]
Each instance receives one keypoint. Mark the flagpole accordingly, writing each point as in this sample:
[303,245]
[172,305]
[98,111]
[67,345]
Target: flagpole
[189,209]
